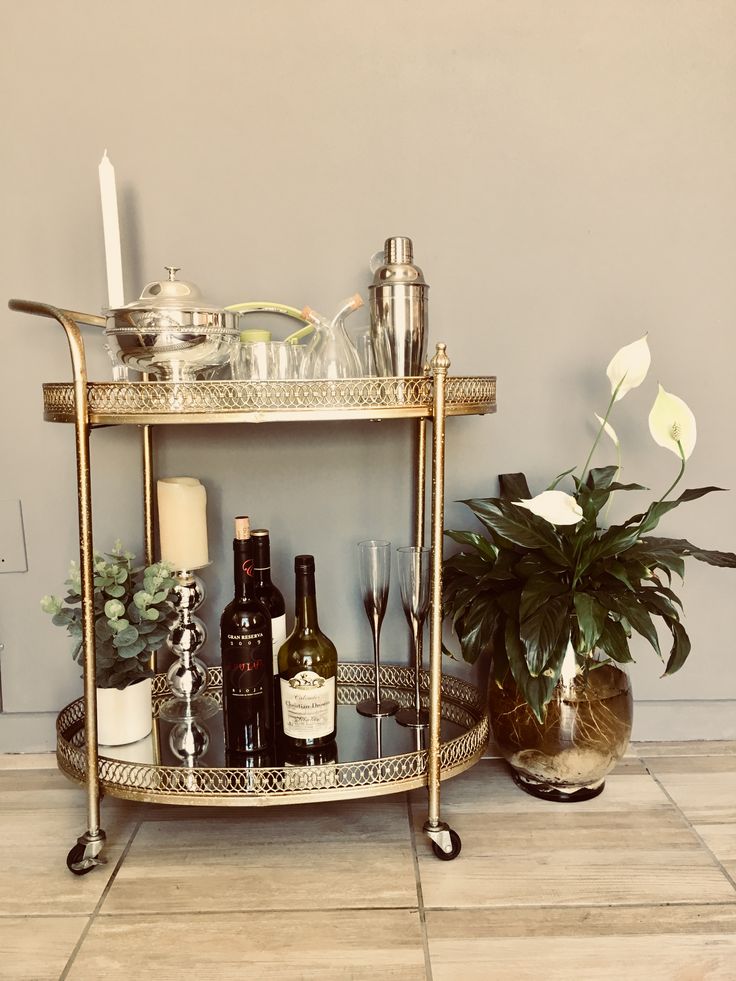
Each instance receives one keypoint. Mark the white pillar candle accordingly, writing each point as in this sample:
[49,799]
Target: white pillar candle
[182,522]
[111,230]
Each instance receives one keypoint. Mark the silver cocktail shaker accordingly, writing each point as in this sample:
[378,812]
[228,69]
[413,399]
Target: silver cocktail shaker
[398,300]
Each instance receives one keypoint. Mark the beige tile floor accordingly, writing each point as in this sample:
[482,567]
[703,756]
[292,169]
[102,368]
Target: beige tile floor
[639,883]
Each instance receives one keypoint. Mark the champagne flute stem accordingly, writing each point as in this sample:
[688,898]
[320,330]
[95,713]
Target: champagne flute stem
[416,629]
[376,654]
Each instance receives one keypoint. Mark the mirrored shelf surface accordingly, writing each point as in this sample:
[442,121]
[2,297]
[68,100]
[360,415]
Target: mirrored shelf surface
[370,756]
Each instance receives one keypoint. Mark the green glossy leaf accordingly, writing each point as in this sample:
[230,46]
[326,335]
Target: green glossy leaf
[543,613]
[538,690]
[475,631]
[478,542]
[558,478]
[682,547]
[680,647]
[657,510]
[638,617]
[469,564]
[614,643]
[518,526]
[600,478]
[658,604]
[591,616]
[628,573]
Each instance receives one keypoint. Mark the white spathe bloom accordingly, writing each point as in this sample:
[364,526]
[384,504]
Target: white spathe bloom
[554,506]
[608,429]
[628,367]
[671,422]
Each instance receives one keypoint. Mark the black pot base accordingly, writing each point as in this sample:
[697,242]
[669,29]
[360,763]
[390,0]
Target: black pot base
[545,792]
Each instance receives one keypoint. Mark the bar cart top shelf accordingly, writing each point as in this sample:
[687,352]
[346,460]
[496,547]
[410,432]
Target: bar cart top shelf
[155,402]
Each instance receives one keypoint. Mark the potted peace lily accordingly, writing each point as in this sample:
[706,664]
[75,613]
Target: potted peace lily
[132,618]
[555,595]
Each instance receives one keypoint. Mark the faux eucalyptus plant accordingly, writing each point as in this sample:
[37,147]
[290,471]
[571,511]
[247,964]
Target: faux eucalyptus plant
[548,573]
[132,615]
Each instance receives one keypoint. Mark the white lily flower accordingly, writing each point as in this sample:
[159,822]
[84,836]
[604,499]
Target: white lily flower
[554,506]
[608,429]
[628,367]
[671,422]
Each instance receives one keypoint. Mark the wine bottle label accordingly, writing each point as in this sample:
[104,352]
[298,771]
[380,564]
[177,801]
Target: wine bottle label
[244,679]
[308,705]
[278,635]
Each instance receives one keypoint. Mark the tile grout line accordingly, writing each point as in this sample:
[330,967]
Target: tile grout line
[731,880]
[103,896]
[420,895]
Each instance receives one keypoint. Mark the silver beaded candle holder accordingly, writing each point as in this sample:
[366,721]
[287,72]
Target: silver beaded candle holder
[189,740]
[187,676]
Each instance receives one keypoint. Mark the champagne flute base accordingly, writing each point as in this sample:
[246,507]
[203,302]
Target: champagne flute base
[377,710]
[412,718]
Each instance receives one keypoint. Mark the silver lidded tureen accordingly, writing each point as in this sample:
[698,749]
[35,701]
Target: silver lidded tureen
[170,332]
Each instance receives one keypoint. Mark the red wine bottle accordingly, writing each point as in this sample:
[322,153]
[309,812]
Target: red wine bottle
[247,658]
[273,600]
[307,671]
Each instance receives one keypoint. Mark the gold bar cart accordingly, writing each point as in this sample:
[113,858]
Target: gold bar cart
[458,729]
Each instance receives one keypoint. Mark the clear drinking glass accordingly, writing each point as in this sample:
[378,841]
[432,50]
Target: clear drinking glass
[375,573]
[414,569]
[364,345]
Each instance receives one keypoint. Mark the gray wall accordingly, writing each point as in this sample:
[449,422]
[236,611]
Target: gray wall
[566,172]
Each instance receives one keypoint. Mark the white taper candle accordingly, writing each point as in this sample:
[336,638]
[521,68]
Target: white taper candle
[111,230]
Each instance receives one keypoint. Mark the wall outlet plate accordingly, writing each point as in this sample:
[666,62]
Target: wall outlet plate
[12,539]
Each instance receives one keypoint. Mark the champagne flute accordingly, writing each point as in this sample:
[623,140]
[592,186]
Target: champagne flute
[414,562]
[375,572]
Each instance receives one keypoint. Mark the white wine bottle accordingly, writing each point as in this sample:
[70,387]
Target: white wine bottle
[307,671]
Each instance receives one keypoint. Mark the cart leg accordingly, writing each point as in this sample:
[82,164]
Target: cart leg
[445,842]
[86,853]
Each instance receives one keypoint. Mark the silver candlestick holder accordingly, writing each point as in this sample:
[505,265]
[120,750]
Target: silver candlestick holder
[187,676]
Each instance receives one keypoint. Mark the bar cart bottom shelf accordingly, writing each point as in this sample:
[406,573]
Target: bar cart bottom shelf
[371,756]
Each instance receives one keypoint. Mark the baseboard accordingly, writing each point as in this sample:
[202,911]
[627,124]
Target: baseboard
[654,721]
[683,721]
[27,732]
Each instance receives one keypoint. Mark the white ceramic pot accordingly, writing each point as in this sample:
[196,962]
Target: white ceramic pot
[124,716]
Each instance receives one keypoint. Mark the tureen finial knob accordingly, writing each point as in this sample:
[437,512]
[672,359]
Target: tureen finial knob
[172,271]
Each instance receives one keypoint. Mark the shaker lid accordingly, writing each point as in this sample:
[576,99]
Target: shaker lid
[398,263]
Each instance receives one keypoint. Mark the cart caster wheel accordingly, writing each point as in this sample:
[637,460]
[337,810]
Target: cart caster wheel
[455,850]
[75,861]
[86,854]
